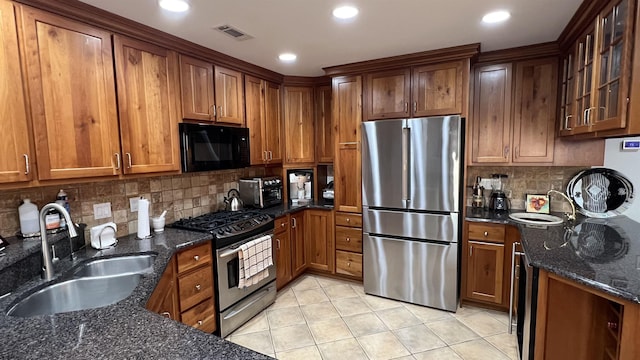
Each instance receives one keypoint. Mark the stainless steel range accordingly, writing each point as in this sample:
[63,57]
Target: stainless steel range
[230,230]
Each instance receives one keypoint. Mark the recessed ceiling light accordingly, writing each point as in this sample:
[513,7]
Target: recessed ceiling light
[174,5]
[287,57]
[345,12]
[496,17]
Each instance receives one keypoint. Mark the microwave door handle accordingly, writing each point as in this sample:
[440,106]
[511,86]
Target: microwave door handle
[185,147]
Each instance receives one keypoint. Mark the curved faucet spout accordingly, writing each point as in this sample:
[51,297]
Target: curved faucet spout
[573,207]
[47,263]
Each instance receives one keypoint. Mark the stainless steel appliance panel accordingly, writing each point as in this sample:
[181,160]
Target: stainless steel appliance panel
[434,153]
[240,313]
[411,224]
[428,276]
[381,163]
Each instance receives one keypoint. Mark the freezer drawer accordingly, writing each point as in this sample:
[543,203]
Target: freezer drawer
[423,226]
[412,271]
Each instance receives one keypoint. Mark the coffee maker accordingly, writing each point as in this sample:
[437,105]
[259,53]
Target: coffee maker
[498,200]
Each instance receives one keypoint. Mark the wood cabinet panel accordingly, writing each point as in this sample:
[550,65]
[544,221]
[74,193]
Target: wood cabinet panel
[201,316]
[438,89]
[15,154]
[349,239]
[164,299]
[491,125]
[485,271]
[324,125]
[298,244]
[280,224]
[282,246]
[348,263]
[486,232]
[194,257]
[254,104]
[196,80]
[195,287]
[348,219]
[321,246]
[387,94]
[147,78]
[272,122]
[298,125]
[534,110]
[73,100]
[229,94]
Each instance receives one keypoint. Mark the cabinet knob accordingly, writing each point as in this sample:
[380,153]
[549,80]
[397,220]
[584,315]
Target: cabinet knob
[348,239]
[486,233]
[348,220]
[198,287]
[196,258]
[199,322]
[282,225]
[348,264]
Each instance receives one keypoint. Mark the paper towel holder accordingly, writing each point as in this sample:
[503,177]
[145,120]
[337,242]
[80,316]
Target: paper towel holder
[144,227]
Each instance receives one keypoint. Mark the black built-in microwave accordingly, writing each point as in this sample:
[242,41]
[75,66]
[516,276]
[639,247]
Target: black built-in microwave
[213,147]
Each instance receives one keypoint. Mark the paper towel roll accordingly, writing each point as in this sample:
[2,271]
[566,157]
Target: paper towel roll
[143,218]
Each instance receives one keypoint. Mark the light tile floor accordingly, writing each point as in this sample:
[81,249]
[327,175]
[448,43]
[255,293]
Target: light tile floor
[317,317]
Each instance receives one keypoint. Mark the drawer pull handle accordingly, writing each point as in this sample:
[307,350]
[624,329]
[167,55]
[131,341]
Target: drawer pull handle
[198,287]
[199,322]
[348,239]
[196,258]
[486,233]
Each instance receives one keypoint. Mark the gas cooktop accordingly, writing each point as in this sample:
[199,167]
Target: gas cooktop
[228,227]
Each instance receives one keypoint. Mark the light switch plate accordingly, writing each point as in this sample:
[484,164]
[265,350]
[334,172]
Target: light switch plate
[102,211]
[133,203]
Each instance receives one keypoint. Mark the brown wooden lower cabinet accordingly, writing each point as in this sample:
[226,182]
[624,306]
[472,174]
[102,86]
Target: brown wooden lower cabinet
[577,322]
[349,263]
[486,263]
[186,293]
[349,244]
[282,252]
[319,235]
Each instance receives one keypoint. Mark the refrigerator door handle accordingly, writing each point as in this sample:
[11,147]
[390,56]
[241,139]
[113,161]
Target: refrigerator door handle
[405,165]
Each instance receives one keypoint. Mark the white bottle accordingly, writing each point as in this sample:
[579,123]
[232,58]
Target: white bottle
[29,222]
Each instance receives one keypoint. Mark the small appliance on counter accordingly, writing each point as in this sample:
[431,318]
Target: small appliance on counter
[478,194]
[233,201]
[327,193]
[498,200]
[300,185]
[261,192]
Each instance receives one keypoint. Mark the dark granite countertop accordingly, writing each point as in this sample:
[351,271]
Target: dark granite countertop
[289,207]
[486,215]
[125,330]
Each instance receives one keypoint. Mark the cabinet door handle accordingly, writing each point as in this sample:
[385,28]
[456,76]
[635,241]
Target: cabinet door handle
[129,159]
[27,170]
[470,250]
[406,106]
[566,122]
[196,258]
[220,110]
[212,111]
[215,113]
[117,155]
[293,223]
[198,287]
[506,151]
[264,156]
[166,314]
[270,155]
[278,243]
[517,151]
[415,106]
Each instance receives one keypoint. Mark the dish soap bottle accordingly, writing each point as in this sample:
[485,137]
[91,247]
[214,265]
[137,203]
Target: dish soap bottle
[29,223]
[62,200]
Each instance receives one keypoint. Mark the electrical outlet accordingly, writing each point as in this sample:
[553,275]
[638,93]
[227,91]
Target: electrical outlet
[102,211]
[486,183]
[133,203]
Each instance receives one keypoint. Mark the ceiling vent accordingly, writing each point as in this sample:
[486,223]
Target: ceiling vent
[233,32]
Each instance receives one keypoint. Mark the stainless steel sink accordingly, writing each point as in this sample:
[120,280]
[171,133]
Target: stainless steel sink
[535,218]
[121,265]
[76,294]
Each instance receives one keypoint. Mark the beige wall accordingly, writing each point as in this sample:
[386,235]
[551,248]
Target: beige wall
[527,180]
[181,195]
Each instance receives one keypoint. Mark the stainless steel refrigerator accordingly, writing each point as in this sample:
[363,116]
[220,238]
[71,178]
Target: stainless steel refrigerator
[411,199]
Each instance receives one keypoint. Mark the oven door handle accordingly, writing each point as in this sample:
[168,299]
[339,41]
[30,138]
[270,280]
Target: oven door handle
[256,297]
[229,252]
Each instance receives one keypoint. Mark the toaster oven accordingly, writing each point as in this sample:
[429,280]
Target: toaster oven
[261,192]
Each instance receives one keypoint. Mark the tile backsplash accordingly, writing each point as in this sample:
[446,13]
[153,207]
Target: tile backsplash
[525,180]
[182,196]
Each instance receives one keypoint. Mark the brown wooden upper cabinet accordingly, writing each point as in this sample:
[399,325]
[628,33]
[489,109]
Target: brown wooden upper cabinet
[347,118]
[324,125]
[299,142]
[148,81]
[597,74]
[427,90]
[514,117]
[262,101]
[15,157]
[72,96]
[211,93]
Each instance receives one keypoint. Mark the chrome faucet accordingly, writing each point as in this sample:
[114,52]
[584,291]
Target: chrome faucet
[47,263]
[572,216]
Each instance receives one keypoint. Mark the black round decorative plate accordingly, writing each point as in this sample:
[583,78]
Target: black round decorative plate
[600,192]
